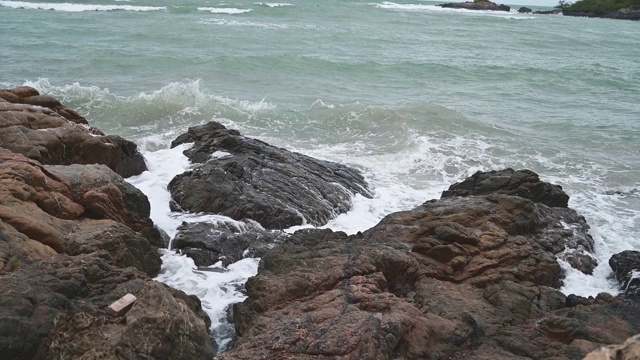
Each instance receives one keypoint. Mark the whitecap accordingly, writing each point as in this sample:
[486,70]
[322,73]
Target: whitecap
[69,7]
[229,11]
[272,5]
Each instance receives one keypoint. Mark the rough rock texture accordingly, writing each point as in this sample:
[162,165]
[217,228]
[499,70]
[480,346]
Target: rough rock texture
[477,5]
[629,350]
[49,209]
[626,267]
[41,128]
[208,243]
[246,178]
[73,239]
[457,278]
[525,10]
[56,309]
[522,183]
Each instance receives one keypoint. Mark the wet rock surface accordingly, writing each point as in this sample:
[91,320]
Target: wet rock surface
[242,178]
[208,243]
[42,129]
[471,277]
[626,268]
[74,239]
[522,183]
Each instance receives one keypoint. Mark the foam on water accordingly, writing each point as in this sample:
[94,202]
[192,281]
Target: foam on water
[69,7]
[216,286]
[272,5]
[253,24]
[422,7]
[229,11]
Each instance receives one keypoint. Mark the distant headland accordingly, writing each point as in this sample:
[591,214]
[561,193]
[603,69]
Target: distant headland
[612,9]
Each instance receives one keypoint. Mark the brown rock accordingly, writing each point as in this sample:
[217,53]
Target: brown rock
[456,278]
[41,128]
[57,309]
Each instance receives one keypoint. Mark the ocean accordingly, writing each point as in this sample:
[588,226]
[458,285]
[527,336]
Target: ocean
[415,96]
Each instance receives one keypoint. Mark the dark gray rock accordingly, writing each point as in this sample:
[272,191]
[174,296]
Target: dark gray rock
[477,5]
[270,185]
[626,267]
[525,10]
[208,243]
[522,183]
[56,309]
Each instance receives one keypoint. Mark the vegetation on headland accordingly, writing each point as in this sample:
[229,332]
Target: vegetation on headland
[597,6]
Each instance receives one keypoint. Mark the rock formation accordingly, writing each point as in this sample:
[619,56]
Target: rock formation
[242,178]
[75,238]
[626,268]
[208,243]
[477,5]
[463,277]
[525,10]
[41,128]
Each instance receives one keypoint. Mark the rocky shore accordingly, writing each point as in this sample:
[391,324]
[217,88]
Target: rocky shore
[472,275]
[622,14]
[74,238]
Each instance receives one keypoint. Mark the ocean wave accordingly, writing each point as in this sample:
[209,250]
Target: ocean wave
[70,7]
[512,15]
[229,11]
[254,24]
[272,5]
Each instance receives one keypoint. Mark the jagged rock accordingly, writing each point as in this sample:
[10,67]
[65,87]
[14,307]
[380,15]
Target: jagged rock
[208,243]
[57,309]
[46,210]
[42,129]
[626,267]
[477,5]
[471,277]
[522,183]
[242,177]
[525,10]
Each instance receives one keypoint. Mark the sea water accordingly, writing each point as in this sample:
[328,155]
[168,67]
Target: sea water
[415,96]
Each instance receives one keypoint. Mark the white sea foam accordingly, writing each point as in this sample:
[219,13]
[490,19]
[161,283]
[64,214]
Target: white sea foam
[70,7]
[272,5]
[229,11]
[216,286]
[232,22]
[513,15]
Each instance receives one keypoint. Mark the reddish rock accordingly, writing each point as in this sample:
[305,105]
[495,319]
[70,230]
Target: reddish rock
[41,128]
[471,277]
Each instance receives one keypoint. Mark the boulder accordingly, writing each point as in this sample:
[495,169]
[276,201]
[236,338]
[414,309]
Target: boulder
[47,210]
[626,267]
[522,183]
[242,177]
[525,10]
[57,309]
[42,129]
[208,243]
[463,277]
[477,5]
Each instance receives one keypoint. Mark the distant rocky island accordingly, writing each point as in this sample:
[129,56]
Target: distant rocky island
[477,5]
[611,9]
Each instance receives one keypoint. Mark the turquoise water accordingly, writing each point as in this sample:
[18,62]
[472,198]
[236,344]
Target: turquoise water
[415,96]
